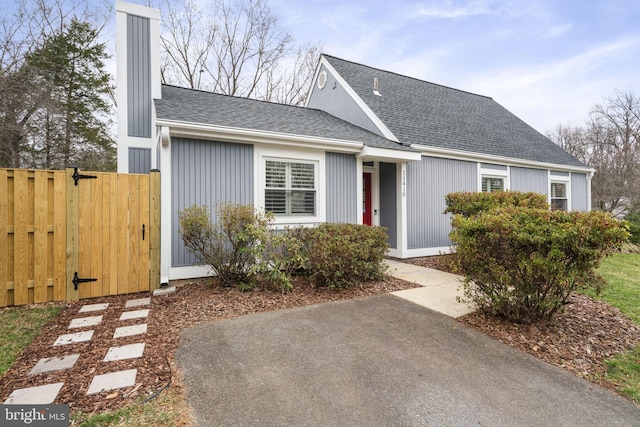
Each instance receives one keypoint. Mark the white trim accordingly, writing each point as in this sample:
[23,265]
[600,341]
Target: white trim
[165,206]
[386,132]
[420,252]
[360,170]
[189,272]
[388,155]
[401,209]
[135,9]
[266,152]
[375,190]
[486,158]
[244,135]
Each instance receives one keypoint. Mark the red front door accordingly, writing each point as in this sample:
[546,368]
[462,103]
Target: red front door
[366,199]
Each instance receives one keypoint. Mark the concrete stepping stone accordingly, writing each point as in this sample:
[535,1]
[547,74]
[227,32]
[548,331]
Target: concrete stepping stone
[74,338]
[40,395]
[84,322]
[135,314]
[112,381]
[50,364]
[137,302]
[93,307]
[164,291]
[130,351]
[127,331]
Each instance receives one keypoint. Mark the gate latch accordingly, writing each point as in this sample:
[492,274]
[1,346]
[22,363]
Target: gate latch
[77,280]
[78,176]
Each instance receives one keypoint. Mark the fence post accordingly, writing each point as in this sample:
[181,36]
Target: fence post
[73,239]
[154,232]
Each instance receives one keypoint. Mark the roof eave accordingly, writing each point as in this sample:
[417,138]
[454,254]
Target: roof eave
[510,161]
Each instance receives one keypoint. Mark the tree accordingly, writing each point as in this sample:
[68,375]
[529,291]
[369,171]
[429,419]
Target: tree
[29,109]
[73,121]
[235,48]
[610,143]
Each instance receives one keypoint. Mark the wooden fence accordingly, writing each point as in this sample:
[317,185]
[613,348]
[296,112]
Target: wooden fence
[57,232]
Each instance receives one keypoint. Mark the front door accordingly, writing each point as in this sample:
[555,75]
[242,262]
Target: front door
[366,199]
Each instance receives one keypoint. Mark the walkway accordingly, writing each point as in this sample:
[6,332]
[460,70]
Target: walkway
[439,290]
[80,330]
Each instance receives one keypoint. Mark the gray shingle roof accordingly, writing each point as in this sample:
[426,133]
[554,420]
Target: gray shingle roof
[419,112]
[188,105]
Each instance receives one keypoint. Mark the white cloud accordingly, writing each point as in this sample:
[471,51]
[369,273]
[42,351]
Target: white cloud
[449,10]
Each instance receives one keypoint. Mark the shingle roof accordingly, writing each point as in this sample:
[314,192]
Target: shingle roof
[188,105]
[419,112]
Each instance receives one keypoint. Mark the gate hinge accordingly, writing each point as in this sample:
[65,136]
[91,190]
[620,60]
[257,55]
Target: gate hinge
[77,280]
[77,176]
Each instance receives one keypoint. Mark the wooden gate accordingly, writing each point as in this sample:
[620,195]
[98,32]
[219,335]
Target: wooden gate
[59,229]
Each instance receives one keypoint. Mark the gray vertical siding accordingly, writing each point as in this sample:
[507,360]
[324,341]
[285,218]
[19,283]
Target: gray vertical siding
[388,202]
[527,179]
[334,99]
[579,192]
[341,175]
[138,77]
[139,160]
[207,173]
[492,166]
[428,182]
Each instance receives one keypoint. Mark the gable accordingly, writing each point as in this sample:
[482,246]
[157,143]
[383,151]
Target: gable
[434,116]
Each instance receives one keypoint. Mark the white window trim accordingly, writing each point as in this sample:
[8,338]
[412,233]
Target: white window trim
[264,153]
[560,180]
[494,173]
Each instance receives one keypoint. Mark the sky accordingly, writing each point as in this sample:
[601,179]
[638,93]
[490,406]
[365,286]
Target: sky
[547,61]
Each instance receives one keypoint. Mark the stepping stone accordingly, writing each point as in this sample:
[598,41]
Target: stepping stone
[127,331]
[137,302]
[135,314]
[83,322]
[164,291]
[112,381]
[54,364]
[41,395]
[93,307]
[74,338]
[131,351]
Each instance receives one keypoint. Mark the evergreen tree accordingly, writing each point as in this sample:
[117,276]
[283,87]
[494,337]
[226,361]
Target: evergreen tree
[71,125]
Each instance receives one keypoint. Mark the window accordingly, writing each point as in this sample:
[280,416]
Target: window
[559,196]
[490,184]
[290,188]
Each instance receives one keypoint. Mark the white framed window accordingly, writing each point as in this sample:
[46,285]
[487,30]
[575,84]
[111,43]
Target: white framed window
[559,197]
[290,187]
[492,183]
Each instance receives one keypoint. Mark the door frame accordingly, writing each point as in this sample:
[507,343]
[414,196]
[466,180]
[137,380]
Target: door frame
[375,192]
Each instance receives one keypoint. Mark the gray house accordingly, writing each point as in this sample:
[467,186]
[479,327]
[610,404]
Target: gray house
[370,146]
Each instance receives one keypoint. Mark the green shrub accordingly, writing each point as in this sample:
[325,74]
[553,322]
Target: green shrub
[522,263]
[340,255]
[235,247]
[634,228]
[469,204]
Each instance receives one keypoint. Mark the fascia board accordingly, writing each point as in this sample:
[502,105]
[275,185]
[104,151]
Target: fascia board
[244,135]
[363,105]
[388,154]
[508,161]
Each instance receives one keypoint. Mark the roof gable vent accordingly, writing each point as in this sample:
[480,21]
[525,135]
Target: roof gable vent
[322,80]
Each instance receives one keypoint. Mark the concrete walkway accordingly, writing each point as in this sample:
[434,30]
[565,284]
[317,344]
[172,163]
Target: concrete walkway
[438,290]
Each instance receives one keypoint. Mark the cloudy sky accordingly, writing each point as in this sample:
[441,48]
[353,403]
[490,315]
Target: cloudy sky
[548,61]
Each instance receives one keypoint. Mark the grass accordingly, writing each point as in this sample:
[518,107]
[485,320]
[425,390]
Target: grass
[18,327]
[622,273]
[168,410]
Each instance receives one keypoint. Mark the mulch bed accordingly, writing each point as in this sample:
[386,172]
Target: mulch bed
[191,304]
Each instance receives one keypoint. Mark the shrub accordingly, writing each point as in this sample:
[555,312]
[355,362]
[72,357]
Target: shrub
[340,255]
[522,263]
[469,204]
[235,247]
[634,228]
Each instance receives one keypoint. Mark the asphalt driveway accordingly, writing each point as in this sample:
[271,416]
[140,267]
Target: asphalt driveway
[378,361]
